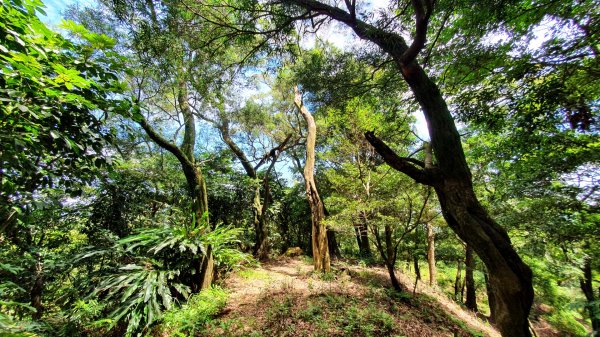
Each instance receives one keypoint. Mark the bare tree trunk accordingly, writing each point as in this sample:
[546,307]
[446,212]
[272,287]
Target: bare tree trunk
[431,255]
[471,301]
[261,243]
[320,249]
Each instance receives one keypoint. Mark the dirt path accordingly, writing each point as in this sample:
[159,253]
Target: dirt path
[278,299]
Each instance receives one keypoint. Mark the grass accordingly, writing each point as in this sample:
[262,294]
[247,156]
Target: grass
[254,274]
[289,304]
[192,317]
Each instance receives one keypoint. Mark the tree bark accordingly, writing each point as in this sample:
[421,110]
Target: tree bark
[510,277]
[320,249]
[431,255]
[471,301]
[395,284]
[417,271]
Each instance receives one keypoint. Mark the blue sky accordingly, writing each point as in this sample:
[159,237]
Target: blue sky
[54,9]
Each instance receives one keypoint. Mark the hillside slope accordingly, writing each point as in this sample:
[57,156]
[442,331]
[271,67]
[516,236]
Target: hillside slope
[284,298]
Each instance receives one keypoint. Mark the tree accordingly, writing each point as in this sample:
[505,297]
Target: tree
[451,177]
[250,118]
[320,247]
[55,93]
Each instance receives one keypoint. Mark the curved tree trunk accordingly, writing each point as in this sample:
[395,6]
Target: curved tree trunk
[193,176]
[320,249]
[510,277]
[260,204]
[261,242]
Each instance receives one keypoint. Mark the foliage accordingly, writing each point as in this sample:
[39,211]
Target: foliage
[190,318]
[142,291]
[54,93]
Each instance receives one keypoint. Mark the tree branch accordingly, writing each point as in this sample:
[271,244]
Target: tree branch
[404,165]
[162,142]
[423,10]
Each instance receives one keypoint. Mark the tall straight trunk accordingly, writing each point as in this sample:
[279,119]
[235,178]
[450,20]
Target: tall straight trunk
[458,281]
[37,288]
[358,238]
[365,247]
[431,254]
[471,301]
[194,178]
[320,249]
[586,285]
[261,244]
[510,277]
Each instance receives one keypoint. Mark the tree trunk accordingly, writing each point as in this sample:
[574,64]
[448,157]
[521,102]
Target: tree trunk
[491,297]
[261,243]
[388,254]
[471,301]
[365,247]
[431,255]
[592,305]
[457,281]
[193,176]
[510,277]
[259,205]
[358,242]
[334,248]
[417,272]
[320,249]
[37,288]
[395,284]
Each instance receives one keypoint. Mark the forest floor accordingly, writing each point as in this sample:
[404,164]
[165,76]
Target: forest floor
[285,298]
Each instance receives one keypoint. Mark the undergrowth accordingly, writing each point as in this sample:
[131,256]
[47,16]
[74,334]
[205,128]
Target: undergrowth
[190,319]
